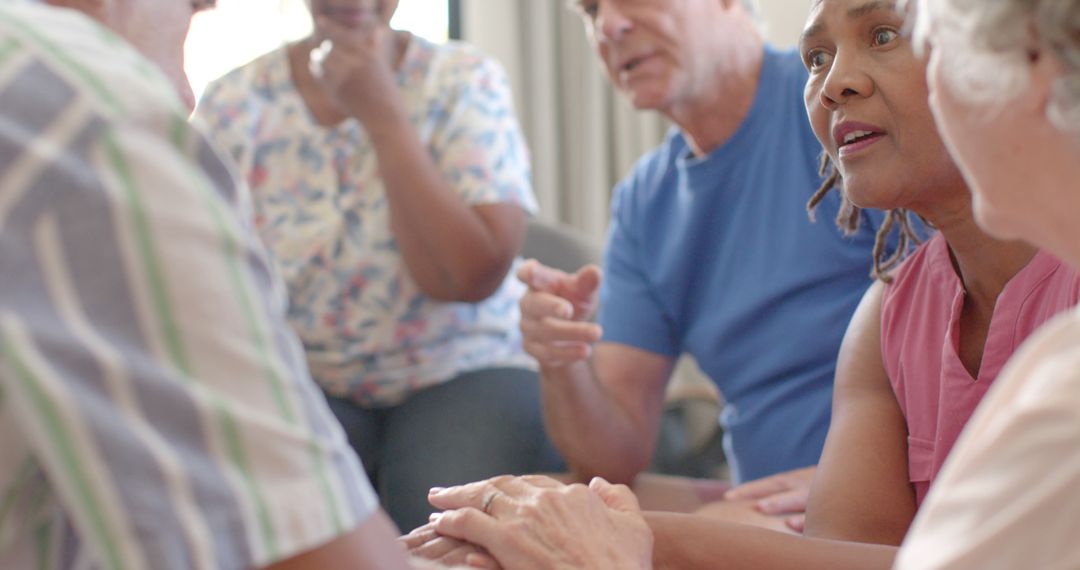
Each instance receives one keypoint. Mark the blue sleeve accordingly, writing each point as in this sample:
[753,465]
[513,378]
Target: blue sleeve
[630,310]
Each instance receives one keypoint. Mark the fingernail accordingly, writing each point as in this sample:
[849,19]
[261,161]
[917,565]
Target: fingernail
[434,517]
[436,490]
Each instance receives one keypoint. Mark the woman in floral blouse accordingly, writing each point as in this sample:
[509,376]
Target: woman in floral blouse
[391,182]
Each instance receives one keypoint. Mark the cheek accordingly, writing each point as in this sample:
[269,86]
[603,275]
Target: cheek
[819,117]
[603,52]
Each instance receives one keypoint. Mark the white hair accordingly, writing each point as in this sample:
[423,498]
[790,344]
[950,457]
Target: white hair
[985,47]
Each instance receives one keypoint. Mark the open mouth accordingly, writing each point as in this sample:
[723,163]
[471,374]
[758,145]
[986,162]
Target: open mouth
[632,64]
[851,136]
[856,137]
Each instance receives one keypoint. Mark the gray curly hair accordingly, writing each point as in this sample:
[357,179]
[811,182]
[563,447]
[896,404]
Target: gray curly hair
[985,47]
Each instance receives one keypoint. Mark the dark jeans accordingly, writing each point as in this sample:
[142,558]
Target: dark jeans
[478,425]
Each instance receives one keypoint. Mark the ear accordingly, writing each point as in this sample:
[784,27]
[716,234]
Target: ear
[1046,70]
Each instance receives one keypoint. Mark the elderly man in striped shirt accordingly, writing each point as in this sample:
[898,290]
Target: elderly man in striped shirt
[155,412]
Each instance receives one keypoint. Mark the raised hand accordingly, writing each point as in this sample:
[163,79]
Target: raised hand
[555,313]
[355,66]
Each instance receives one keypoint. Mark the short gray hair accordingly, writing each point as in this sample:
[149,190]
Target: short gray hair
[985,48]
[751,6]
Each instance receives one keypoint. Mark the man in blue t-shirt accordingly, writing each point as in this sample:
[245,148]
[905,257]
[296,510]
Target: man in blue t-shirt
[710,252]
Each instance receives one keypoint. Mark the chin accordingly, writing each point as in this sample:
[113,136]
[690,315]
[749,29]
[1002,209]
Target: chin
[647,100]
[995,222]
[868,194]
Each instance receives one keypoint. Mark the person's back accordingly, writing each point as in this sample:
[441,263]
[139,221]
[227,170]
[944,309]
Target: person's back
[154,414]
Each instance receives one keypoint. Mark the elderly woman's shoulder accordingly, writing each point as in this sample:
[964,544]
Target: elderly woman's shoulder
[460,60]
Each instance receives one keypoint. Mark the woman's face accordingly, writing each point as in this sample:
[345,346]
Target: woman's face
[867,102]
[354,13]
[996,147]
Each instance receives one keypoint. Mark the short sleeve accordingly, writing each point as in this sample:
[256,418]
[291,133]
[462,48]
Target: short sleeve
[630,312]
[146,358]
[477,141]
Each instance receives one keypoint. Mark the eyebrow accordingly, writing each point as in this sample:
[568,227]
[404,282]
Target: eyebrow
[875,6]
[852,14]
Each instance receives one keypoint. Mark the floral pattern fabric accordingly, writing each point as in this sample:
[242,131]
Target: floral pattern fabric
[320,205]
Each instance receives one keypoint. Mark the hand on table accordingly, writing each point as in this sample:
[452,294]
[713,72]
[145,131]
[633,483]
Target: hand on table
[555,313]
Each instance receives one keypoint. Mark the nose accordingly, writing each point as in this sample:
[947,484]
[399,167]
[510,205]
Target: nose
[846,80]
[611,23]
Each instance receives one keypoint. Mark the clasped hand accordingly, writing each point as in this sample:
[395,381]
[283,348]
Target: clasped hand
[535,522]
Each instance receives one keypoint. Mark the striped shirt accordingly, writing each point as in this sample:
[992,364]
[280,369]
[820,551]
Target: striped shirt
[155,410]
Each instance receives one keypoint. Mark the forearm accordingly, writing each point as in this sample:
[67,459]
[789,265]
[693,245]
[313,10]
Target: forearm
[687,542]
[446,245]
[595,435]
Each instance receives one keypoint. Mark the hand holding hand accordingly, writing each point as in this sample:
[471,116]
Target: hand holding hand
[555,313]
[425,543]
[783,493]
[536,522]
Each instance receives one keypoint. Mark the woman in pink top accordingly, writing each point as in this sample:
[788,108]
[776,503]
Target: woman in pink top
[932,334]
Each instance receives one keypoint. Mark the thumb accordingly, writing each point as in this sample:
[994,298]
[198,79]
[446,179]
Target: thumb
[618,497]
[538,276]
[586,281]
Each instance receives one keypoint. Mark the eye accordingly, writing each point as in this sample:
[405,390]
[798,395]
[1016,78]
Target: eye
[885,36]
[589,9]
[817,58]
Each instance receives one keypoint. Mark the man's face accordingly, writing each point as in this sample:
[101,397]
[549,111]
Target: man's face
[652,50]
[157,28]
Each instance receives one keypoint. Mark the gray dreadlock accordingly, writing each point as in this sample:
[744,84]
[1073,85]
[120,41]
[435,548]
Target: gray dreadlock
[848,221]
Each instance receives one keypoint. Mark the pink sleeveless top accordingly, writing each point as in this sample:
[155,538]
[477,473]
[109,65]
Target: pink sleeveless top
[920,316]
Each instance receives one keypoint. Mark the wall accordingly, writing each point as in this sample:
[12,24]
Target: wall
[783,19]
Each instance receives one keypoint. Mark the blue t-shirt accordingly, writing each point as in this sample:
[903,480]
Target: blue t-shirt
[716,257]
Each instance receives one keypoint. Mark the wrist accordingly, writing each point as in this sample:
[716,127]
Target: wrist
[383,122]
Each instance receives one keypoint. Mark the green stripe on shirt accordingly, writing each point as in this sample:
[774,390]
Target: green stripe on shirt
[170,331]
[182,139]
[61,440]
[91,79]
[8,48]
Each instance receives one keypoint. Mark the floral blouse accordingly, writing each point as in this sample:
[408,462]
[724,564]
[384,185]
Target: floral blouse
[320,205]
